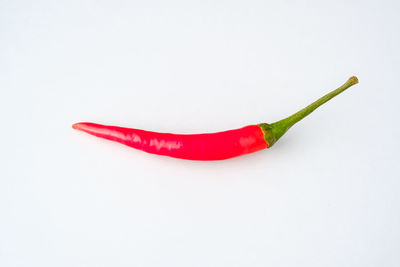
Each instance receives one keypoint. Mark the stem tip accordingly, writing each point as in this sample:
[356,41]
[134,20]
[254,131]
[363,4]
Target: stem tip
[353,80]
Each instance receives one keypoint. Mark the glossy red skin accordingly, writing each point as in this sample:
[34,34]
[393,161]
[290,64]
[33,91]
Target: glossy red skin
[208,146]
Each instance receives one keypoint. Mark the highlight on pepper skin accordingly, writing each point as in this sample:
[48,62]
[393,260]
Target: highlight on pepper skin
[208,146]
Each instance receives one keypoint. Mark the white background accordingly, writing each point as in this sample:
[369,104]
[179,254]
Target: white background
[327,194]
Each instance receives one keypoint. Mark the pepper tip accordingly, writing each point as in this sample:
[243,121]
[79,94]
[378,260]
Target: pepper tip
[75,126]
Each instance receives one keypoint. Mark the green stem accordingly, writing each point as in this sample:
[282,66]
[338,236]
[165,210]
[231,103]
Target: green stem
[274,131]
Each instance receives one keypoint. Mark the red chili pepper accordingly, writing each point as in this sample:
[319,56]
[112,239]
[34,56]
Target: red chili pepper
[208,146]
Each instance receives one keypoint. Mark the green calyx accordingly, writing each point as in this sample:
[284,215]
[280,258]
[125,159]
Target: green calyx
[274,131]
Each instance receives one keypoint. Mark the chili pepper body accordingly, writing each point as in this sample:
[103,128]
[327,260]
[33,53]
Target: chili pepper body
[207,146]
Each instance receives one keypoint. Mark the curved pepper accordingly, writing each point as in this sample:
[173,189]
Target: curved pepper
[207,146]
